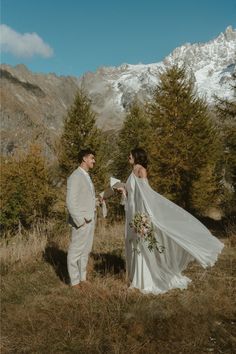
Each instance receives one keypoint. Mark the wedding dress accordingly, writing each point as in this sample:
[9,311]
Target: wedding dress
[183,236]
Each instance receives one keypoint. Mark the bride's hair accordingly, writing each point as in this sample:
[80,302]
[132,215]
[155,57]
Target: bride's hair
[140,157]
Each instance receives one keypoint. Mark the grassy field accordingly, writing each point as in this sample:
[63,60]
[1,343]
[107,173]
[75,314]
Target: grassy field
[40,313]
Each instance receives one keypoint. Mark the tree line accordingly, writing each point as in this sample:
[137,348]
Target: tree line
[191,149]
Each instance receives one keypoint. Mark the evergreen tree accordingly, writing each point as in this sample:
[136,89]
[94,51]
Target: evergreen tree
[80,132]
[183,144]
[134,133]
[27,194]
[226,113]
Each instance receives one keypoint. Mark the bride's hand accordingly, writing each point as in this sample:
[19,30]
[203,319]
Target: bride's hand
[121,190]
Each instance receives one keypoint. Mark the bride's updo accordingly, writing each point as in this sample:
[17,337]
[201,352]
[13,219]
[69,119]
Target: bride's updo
[140,157]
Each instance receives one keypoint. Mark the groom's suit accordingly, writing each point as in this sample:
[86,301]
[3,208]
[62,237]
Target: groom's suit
[80,202]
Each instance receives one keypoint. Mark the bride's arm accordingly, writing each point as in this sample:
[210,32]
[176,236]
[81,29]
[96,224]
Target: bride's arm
[142,172]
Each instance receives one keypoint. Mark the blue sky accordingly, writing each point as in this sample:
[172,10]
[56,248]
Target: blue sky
[75,36]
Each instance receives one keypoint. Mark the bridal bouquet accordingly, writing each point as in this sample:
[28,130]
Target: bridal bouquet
[143,227]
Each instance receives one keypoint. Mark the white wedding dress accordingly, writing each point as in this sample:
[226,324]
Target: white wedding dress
[184,237]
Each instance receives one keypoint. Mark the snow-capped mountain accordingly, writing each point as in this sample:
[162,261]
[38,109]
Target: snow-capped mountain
[33,105]
[212,63]
[218,52]
[112,89]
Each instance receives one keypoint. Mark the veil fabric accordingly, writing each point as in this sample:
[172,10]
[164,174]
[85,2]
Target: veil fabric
[183,236]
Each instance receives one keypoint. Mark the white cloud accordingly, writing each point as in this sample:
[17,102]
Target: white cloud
[23,45]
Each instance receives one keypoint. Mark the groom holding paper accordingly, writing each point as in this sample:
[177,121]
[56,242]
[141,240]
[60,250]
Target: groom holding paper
[81,205]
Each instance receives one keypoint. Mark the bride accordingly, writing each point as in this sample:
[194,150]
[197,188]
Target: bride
[182,236]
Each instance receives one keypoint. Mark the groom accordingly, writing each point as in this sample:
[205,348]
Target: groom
[80,202]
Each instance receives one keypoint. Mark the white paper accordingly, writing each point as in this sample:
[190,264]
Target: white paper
[113,181]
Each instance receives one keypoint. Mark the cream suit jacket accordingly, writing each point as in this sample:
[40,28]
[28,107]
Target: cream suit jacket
[80,199]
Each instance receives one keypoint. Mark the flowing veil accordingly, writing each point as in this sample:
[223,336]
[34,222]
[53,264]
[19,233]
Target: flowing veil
[184,237]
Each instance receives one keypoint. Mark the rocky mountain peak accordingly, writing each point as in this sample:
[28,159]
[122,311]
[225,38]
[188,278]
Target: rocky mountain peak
[33,105]
[229,34]
[218,52]
[113,89]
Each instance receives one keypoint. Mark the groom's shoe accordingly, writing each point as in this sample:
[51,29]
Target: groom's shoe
[84,284]
[77,286]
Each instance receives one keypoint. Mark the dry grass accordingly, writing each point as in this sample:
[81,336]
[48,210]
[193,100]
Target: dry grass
[22,248]
[41,314]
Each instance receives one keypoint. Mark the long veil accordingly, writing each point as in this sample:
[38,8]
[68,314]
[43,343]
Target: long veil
[184,236]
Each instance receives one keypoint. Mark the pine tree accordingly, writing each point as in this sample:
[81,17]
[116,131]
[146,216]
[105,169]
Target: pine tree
[27,194]
[184,142]
[134,133]
[226,113]
[80,132]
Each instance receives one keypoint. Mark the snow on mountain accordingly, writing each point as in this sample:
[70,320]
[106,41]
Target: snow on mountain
[33,105]
[212,63]
[112,89]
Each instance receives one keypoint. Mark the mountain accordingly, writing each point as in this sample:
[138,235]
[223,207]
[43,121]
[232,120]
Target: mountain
[113,89]
[33,105]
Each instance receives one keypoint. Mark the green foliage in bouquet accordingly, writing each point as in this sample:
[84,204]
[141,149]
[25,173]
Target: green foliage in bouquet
[144,230]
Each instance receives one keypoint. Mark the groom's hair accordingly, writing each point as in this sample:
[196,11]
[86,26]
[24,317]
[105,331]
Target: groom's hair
[83,153]
[140,157]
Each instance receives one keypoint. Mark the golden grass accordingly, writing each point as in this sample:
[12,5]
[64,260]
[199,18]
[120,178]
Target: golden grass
[22,248]
[41,314]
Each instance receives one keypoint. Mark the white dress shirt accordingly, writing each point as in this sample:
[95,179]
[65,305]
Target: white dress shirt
[89,180]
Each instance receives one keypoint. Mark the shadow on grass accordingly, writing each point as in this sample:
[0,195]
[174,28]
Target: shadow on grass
[108,263]
[58,259]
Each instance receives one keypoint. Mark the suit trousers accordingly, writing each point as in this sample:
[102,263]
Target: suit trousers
[78,252]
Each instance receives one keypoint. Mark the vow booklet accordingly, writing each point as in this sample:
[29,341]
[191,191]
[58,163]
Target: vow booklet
[114,184]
